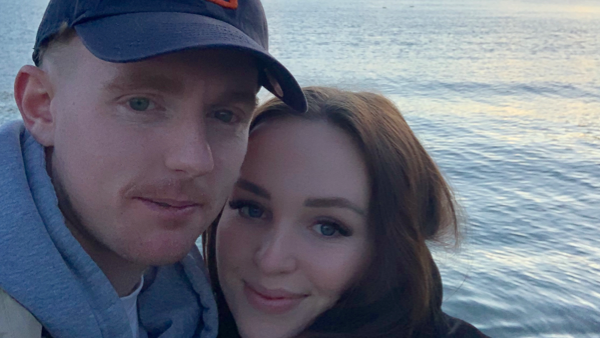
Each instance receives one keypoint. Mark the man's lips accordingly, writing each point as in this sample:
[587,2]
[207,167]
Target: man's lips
[169,203]
[171,210]
[274,301]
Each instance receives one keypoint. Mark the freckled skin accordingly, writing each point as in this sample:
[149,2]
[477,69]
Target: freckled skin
[105,155]
[281,244]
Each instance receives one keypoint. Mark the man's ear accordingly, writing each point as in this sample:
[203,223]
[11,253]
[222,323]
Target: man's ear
[33,94]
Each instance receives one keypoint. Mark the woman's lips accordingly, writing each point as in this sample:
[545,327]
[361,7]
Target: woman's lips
[270,301]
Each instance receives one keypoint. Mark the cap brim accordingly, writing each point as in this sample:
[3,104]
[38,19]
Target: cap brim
[137,36]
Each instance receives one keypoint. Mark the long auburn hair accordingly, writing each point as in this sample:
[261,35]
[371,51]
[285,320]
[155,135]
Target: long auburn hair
[399,294]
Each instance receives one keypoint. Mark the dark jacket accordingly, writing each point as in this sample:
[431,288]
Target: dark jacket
[447,326]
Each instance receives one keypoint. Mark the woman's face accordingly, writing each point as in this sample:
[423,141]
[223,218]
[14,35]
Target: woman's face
[294,236]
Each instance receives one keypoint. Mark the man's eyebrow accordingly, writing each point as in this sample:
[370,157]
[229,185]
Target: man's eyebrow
[242,97]
[253,188]
[333,202]
[132,79]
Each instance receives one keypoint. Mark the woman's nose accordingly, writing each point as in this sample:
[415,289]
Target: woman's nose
[276,253]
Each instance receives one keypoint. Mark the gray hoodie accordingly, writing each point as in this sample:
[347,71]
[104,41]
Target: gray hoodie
[43,267]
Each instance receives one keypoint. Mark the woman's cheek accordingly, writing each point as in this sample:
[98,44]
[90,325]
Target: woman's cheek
[344,267]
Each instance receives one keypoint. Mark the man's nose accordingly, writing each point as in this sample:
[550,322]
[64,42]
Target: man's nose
[275,255]
[189,149]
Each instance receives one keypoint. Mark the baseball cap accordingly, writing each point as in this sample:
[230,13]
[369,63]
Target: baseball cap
[133,30]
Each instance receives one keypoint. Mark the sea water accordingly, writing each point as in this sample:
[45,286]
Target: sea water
[506,97]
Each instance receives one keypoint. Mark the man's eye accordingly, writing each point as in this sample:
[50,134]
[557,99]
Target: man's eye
[139,103]
[226,116]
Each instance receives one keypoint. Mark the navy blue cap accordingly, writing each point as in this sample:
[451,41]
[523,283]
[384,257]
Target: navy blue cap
[133,30]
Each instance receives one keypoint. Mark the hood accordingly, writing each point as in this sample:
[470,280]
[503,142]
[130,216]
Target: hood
[45,269]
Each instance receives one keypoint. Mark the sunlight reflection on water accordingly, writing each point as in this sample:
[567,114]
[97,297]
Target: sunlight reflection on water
[505,95]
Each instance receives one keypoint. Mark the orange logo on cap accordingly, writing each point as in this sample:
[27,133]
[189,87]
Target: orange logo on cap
[231,4]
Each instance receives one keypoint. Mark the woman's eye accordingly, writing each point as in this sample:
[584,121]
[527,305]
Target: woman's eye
[226,116]
[326,229]
[251,211]
[139,103]
[331,229]
[247,209]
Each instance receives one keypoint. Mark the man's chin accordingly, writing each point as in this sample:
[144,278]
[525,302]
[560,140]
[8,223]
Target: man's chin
[159,260]
[162,253]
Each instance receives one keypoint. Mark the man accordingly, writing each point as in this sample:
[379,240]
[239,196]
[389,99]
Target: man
[134,128]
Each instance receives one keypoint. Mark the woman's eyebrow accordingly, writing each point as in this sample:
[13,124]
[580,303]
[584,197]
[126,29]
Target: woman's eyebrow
[336,202]
[253,188]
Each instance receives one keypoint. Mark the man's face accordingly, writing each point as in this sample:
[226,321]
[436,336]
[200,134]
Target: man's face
[145,153]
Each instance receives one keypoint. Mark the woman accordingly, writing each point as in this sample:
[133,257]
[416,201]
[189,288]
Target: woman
[325,232]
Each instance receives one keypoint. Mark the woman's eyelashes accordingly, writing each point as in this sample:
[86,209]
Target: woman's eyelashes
[328,228]
[248,209]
